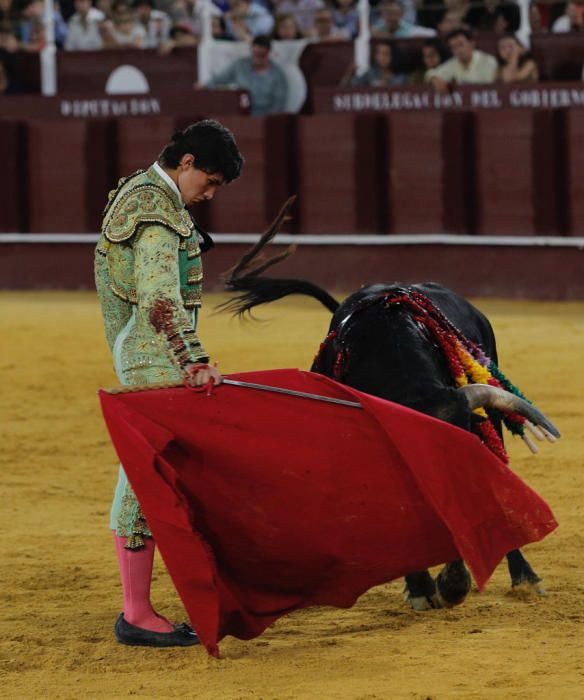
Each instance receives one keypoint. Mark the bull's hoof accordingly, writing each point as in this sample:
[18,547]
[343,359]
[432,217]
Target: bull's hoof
[453,584]
[420,592]
[527,577]
[421,603]
[528,590]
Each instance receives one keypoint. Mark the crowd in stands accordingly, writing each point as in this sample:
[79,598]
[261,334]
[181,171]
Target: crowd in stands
[96,24]
[449,53]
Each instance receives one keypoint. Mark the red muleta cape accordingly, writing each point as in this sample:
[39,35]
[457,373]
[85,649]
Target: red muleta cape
[263,503]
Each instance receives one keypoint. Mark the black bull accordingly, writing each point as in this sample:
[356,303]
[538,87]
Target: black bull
[385,352]
[382,350]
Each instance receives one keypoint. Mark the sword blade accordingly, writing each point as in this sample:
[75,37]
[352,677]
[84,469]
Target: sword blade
[291,392]
[234,382]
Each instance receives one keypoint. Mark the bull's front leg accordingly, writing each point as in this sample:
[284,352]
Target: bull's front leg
[420,591]
[522,574]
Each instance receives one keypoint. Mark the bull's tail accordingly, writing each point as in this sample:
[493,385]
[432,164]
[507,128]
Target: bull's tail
[252,290]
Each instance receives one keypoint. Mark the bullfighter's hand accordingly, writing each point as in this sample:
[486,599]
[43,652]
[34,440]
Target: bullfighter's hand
[201,376]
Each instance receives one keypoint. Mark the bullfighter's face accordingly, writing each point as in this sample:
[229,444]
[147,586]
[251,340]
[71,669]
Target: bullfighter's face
[196,185]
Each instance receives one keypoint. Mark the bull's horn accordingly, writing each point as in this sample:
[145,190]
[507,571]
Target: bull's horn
[484,395]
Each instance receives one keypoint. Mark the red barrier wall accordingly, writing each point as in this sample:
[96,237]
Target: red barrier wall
[489,172]
[559,56]
[415,175]
[340,174]
[70,170]
[520,168]
[139,141]
[575,169]
[13,212]
[507,271]
[57,184]
[250,203]
[459,186]
[504,174]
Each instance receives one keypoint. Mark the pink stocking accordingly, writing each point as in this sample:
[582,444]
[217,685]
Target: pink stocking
[136,573]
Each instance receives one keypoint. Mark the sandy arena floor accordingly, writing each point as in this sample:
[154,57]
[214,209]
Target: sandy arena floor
[59,584]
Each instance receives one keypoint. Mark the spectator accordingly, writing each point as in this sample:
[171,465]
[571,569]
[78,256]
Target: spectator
[36,37]
[105,6]
[8,39]
[263,79]
[382,73]
[430,12]
[218,28]
[346,16]
[247,20]
[83,30]
[468,64]
[392,25]
[125,31]
[324,27]
[190,12]
[302,11]
[572,21]
[286,29]
[186,32]
[155,22]
[433,54]
[516,64]
[181,35]
[448,23]
[8,26]
[498,16]
[31,26]
[535,19]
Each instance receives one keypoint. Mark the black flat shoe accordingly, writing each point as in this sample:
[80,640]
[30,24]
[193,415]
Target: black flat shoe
[181,636]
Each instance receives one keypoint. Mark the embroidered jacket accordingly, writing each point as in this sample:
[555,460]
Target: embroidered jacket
[149,279]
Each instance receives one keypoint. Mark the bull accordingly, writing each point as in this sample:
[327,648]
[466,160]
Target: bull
[392,341]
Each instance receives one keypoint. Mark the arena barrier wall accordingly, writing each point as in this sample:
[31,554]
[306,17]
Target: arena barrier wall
[494,266]
[507,172]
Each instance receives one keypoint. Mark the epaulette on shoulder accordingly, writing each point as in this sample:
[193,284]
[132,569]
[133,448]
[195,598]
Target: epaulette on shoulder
[142,205]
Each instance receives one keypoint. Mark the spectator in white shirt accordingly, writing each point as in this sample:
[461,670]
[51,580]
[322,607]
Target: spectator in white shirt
[572,20]
[83,28]
[468,64]
[156,23]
